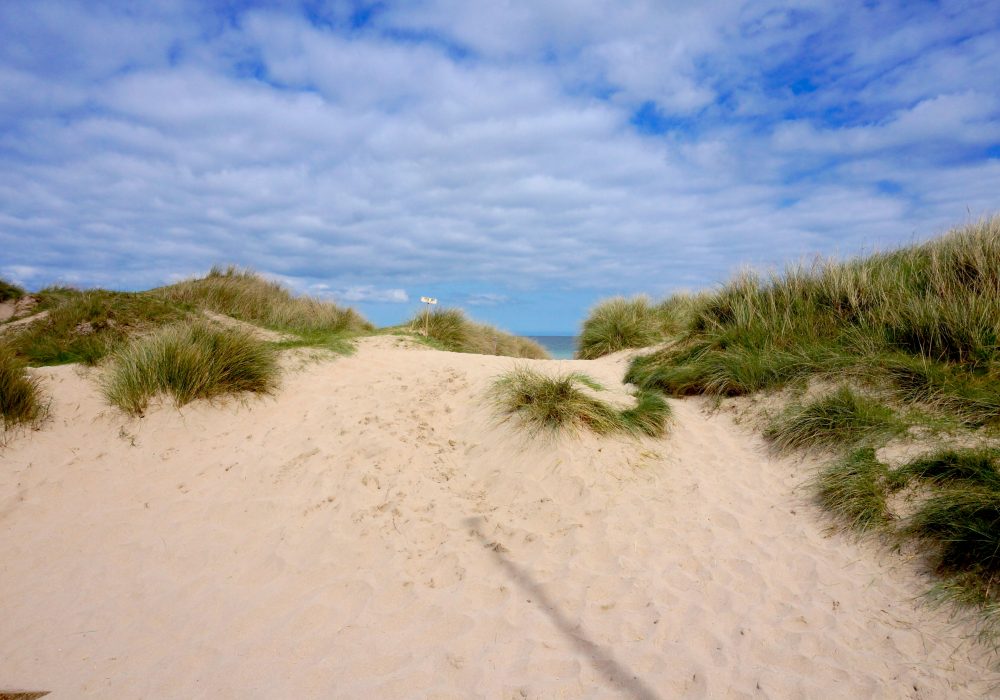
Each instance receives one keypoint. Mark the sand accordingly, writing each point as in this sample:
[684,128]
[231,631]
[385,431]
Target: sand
[372,531]
[16,310]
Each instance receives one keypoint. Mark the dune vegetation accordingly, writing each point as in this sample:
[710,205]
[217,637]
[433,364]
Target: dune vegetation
[451,329]
[189,361]
[20,396]
[843,417]
[247,296]
[909,341]
[86,326]
[571,401]
[622,324]
[159,340]
[952,508]
[924,321]
[9,291]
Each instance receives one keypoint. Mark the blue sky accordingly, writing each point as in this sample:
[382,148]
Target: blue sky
[521,160]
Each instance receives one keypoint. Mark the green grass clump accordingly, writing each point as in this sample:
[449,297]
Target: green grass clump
[247,296]
[20,395]
[545,403]
[621,324]
[956,516]
[923,320]
[86,326]
[450,329]
[841,418]
[189,361]
[854,489]
[735,371]
[973,467]
[9,291]
[963,525]
[960,519]
[649,416]
[919,326]
[971,397]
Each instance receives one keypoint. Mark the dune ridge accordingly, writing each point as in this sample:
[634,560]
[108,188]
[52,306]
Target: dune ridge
[373,530]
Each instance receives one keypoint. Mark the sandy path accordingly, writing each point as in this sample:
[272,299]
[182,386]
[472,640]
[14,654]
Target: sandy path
[371,532]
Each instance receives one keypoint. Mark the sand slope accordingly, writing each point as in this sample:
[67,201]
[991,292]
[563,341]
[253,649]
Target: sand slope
[371,532]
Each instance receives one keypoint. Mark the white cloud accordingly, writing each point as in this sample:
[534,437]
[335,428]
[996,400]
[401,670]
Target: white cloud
[967,118]
[19,274]
[365,293]
[486,299]
[485,145]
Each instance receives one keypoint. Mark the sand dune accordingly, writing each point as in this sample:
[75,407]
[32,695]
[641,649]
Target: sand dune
[373,532]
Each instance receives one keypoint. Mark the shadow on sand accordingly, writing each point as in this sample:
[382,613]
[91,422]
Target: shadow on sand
[618,675]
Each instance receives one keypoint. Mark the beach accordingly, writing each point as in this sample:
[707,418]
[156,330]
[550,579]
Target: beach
[373,529]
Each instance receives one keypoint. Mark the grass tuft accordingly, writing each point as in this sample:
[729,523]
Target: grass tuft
[189,362]
[843,417]
[963,524]
[450,329]
[922,320]
[621,324]
[649,416]
[976,467]
[86,326]
[960,521]
[20,395]
[958,515]
[545,403]
[853,489]
[919,326]
[245,295]
[9,291]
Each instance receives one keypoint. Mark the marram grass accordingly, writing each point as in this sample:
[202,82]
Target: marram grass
[87,326]
[245,295]
[451,329]
[9,291]
[622,324]
[960,518]
[962,523]
[20,394]
[853,489]
[956,515]
[972,467]
[188,362]
[545,403]
[922,320]
[918,327]
[841,418]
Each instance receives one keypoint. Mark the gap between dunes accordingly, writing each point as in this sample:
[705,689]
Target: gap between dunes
[373,531]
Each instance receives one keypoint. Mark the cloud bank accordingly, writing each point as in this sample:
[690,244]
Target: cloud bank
[526,158]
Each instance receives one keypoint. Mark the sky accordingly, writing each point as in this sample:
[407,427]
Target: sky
[520,160]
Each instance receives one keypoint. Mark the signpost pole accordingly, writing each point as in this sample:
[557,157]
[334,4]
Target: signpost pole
[427,314]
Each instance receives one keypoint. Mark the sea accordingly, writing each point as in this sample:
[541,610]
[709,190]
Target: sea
[561,347]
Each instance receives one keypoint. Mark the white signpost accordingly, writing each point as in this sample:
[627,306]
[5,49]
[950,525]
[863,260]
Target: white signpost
[430,301]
